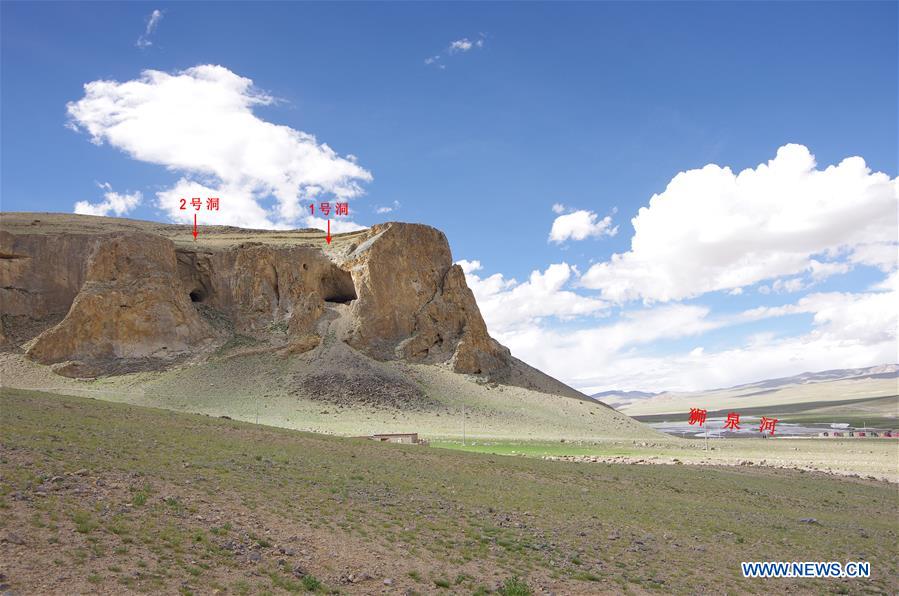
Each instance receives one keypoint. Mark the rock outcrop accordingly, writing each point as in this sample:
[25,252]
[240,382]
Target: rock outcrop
[86,294]
[413,303]
[128,307]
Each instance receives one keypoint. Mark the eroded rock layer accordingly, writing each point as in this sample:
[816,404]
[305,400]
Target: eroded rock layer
[86,294]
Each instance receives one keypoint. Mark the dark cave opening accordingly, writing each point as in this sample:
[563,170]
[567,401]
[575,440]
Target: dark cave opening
[337,286]
[197,296]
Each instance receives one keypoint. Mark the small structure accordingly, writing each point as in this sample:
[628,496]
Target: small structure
[405,438]
[825,434]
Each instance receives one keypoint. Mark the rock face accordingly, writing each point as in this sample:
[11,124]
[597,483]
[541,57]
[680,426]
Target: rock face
[87,294]
[413,303]
[127,307]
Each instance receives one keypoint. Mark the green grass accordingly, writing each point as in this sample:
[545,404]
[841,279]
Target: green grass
[442,513]
[814,453]
[84,522]
[515,587]
[311,584]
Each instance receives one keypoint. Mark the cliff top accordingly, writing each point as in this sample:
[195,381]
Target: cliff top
[210,237]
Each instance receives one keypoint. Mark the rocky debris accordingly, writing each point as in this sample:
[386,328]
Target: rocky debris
[808,520]
[377,390]
[13,538]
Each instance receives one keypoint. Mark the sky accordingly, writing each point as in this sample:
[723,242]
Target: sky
[643,196]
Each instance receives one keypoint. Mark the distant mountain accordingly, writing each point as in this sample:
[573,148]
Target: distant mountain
[824,386]
[635,394]
[882,371]
[619,399]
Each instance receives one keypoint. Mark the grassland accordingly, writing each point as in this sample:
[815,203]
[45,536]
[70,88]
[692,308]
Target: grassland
[872,458]
[107,497]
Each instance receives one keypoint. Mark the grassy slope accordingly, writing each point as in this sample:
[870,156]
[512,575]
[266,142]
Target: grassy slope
[166,501]
[247,387]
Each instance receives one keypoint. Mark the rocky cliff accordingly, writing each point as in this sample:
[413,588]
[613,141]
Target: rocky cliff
[92,295]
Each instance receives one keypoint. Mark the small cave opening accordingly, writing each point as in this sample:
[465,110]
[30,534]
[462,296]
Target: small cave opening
[197,296]
[337,286]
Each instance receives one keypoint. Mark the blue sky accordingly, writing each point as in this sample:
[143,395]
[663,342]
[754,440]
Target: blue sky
[594,107]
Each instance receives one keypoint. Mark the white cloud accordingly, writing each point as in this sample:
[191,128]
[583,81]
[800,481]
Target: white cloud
[581,357]
[458,46]
[712,230]
[112,203]
[849,330]
[200,122]
[152,22]
[791,285]
[469,266]
[883,255]
[237,205]
[388,208]
[579,225]
[509,305]
[762,357]
[821,270]
[558,208]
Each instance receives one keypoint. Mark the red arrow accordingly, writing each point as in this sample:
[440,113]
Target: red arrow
[195,227]
[328,237]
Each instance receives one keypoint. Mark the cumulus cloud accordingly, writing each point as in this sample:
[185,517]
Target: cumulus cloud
[715,230]
[200,122]
[865,317]
[238,206]
[558,208]
[579,225]
[509,305]
[761,357]
[848,330]
[152,22]
[113,203]
[583,356]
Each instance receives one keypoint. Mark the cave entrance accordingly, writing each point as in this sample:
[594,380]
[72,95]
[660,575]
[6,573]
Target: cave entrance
[197,296]
[337,286]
